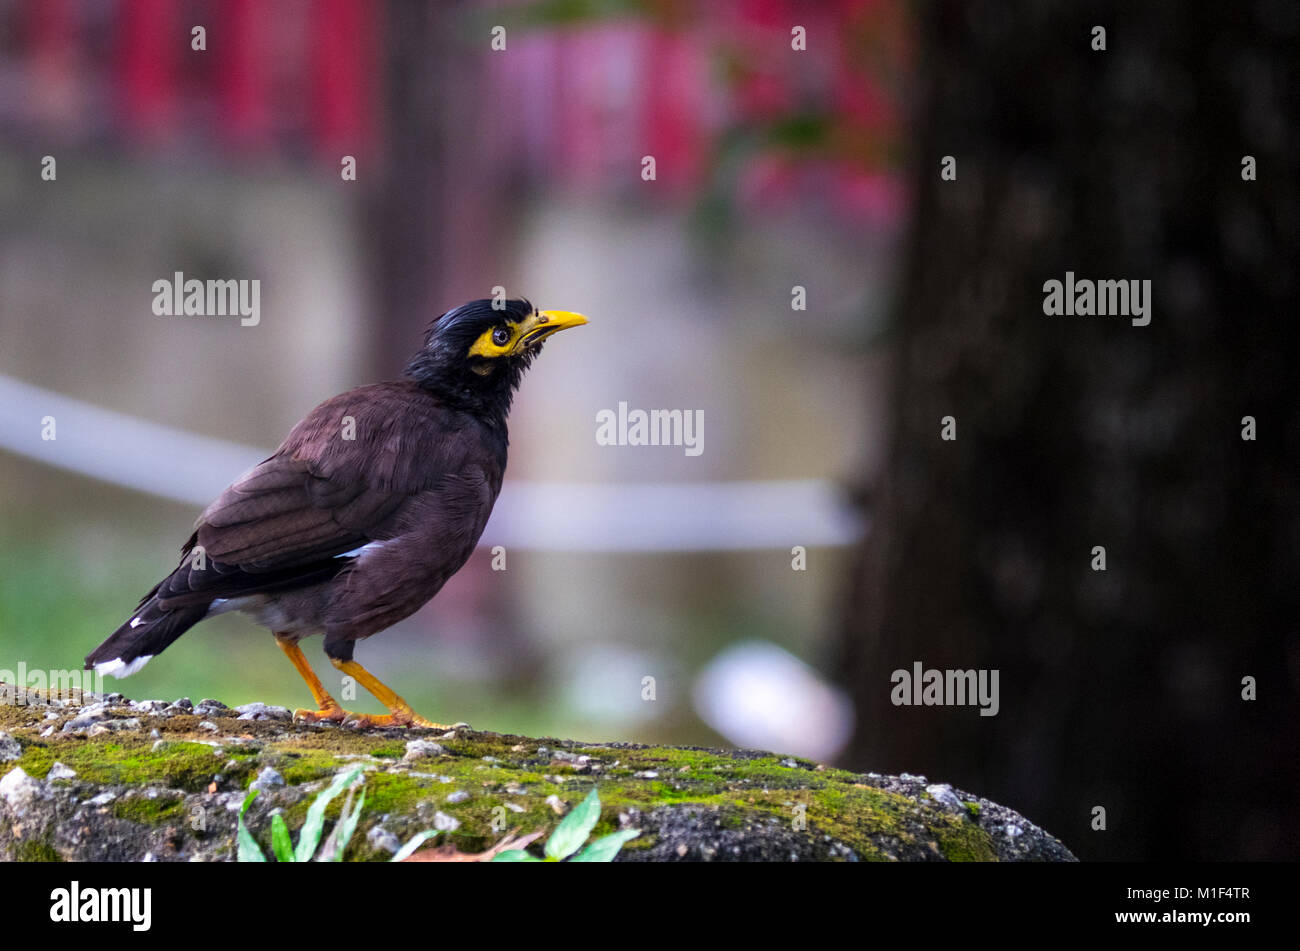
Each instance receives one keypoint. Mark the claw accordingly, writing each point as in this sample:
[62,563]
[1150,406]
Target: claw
[368,721]
[329,710]
[327,714]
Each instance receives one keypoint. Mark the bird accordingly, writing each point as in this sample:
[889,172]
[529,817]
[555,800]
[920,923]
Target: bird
[371,503]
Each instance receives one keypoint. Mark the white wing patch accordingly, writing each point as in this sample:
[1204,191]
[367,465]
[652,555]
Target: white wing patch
[119,668]
[369,546]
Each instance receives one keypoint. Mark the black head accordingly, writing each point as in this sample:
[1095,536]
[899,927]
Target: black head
[475,355]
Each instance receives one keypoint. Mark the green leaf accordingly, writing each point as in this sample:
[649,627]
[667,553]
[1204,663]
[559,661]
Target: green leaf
[347,825]
[309,837]
[574,829]
[514,855]
[249,850]
[281,844]
[406,851]
[606,847]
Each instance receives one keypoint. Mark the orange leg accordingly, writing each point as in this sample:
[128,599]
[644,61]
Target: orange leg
[329,708]
[400,712]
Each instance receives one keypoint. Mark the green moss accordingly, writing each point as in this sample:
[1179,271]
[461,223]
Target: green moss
[25,851]
[149,811]
[741,791]
[127,761]
[964,841]
[298,767]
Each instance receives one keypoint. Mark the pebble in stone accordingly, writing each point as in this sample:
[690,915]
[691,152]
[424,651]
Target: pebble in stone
[1014,831]
[564,756]
[160,744]
[59,771]
[183,705]
[84,721]
[18,789]
[268,778]
[208,708]
[103,799]
[149,706]
[445,823]
[262,711]
[647,774]
[417,748]
[514,807]
[458,796]
[209,726]
[381,838]
[9,748]
[943,793]
[556,804]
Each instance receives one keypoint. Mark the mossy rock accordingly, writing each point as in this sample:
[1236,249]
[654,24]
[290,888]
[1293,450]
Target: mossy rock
[169,789]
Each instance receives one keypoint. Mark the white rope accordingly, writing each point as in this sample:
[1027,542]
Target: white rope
[192,469]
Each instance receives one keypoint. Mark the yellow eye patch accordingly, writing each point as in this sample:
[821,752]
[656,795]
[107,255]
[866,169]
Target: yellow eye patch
[486,346]
[529,332]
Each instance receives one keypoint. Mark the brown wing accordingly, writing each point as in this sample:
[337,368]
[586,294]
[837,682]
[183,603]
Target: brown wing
[359,468]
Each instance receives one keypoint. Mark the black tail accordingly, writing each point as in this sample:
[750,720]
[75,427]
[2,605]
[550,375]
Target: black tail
[146,634]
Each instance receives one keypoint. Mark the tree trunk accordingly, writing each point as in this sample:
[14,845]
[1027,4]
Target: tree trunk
[1119,688]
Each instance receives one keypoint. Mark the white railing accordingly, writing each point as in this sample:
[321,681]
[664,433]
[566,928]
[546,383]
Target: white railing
[192,469]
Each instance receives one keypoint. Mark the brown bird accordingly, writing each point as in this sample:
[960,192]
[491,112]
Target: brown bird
[367,508]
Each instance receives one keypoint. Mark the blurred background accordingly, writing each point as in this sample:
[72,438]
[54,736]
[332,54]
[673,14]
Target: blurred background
[825,536]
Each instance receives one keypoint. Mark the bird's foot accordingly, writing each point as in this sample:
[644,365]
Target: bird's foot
[399,717]
[333,714]
[370,721]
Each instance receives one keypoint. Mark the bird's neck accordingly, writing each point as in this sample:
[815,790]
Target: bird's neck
[486,400]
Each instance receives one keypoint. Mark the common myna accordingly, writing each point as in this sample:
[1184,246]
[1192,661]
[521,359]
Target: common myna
[363,513]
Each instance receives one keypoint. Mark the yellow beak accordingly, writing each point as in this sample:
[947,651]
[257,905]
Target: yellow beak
[544,323]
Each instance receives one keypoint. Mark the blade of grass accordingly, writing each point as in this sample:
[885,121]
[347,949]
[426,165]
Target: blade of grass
[347,825]
[309,837]
[248,849]
[416,841]
[281,844]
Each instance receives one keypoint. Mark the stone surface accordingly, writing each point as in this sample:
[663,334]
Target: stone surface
[154,779]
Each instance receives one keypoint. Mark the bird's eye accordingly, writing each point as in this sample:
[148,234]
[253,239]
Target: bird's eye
[500,336]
